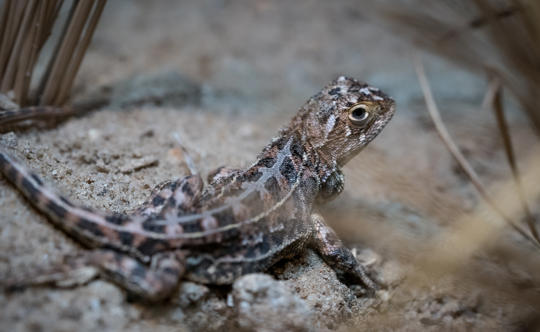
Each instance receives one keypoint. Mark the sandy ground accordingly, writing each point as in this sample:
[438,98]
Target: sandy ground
[225,75]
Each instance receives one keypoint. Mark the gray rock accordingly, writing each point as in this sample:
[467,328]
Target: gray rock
[265,304]
[9,139]
[191,293]
[391,273]
[317,284]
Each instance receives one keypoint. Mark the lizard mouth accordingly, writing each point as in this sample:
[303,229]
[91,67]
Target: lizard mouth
[346,158]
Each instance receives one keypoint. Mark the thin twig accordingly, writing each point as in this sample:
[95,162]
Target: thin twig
[481,22]
[50,16]
[53,61]
[25,26]
[9,75]
[503,36]
[65,54]
[35,49]
[78,55]
[188,159]
[497,107]
[7,35]
[24,62]
[9,45]
[4,17]
[456,153]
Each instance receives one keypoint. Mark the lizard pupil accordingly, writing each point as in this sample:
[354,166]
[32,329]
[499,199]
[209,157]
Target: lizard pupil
[358,115]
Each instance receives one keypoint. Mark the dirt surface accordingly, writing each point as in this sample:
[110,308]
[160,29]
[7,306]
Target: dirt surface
[224,76]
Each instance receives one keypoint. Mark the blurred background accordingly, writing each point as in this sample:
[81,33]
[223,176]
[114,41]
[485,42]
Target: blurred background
[226,75]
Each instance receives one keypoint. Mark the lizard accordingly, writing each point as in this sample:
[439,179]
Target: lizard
[243,220]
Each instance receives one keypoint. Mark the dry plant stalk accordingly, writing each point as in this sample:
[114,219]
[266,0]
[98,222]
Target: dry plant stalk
[497,37]
[465,165]
[448,251]
[454,247]
[496,104]
[500,38]
[25,26]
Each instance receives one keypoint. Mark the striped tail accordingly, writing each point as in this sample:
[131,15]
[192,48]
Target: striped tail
[79,222]
[138,235]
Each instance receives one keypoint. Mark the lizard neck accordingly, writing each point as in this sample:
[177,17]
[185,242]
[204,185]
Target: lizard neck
[321,162]
[319,159]
[285,156]
[305,156]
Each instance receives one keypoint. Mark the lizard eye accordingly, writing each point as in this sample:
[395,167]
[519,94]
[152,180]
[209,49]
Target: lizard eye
[358,115]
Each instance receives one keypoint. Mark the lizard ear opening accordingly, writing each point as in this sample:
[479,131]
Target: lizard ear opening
[359,115]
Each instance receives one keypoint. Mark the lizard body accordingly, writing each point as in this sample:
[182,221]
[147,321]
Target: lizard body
[244,220]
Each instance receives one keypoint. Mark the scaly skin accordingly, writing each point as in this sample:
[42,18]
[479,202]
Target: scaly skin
[244,220]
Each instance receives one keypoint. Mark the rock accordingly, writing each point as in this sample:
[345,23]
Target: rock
[317,284]
[367,257]
[391,273]
[9,139]
[265,304]
[191,293]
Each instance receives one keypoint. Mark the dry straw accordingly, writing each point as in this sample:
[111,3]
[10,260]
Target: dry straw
[25,27]
[500,38]
[497,37]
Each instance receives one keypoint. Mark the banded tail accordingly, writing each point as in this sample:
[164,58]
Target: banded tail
[92,228]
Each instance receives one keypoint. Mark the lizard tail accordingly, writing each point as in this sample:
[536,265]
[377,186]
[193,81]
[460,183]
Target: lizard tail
[14,117]
[81,223]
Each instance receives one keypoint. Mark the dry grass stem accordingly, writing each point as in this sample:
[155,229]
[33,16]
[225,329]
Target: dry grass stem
[25,26]
[76,61]
[37,95]
[498,108]
[448,251]
[500,38]
[68,45]
[456,153]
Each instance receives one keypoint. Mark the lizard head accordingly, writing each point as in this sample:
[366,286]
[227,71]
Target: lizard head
[343,118]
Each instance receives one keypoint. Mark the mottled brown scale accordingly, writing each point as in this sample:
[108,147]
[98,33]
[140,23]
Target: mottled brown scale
[242,221]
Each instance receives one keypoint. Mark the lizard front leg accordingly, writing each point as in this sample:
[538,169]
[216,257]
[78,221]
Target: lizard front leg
[332,187]
[326,242]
